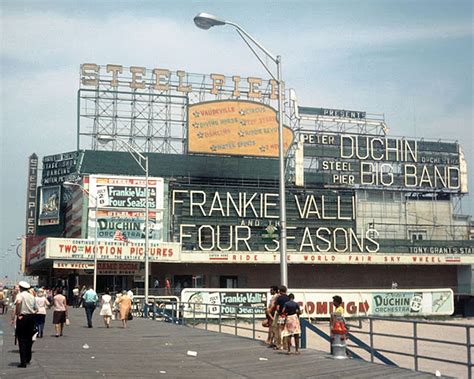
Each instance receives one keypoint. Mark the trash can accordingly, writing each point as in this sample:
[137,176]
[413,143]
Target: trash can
[338,346]
[338,336]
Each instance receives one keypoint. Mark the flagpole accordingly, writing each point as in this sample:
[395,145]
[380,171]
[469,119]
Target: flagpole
[95,246]
[146,231]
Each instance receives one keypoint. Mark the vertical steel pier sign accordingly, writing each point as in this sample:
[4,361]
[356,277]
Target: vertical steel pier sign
[30,227]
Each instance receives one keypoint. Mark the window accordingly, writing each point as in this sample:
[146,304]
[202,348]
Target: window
[228,281]
[417,235]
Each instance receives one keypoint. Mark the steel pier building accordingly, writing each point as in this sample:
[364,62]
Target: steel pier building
[364,209]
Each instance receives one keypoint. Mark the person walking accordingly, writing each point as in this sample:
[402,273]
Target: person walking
[25,309]
[167,287]
[2,301]
[117,305]
[60,311]
[90,301]
[106,309]
[40,316]
[75,297]
[292,327]
[269,312]
[125,304]
[81,296]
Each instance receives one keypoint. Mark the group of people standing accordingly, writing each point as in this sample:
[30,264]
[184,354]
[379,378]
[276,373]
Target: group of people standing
[282,319]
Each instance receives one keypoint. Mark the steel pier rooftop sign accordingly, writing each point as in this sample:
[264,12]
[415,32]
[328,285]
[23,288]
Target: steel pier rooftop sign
[160,79]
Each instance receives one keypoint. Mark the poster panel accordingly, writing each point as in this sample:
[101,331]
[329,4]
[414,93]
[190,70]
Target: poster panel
[224,301]
[126,192]
[130,223]
[235,127]
[36,250]
[318,303]
[49,205]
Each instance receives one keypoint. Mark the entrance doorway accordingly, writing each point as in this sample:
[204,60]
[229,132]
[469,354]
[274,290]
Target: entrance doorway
[228,282]
[180,282]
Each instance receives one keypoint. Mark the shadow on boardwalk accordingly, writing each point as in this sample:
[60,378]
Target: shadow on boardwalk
[155,349]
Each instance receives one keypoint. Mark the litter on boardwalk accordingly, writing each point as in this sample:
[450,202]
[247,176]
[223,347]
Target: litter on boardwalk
[263,359]
[192,353]
[162,372]
[85,346]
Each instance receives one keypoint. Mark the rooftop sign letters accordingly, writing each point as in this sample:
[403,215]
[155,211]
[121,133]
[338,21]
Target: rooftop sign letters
[334,113]
[225,219]
[160,79]
[235,128]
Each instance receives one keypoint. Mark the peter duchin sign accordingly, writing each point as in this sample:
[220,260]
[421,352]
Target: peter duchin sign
[234,127]
[368,161]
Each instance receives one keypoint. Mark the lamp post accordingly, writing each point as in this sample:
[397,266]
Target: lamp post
[206,21]
[142,161]
[96,227]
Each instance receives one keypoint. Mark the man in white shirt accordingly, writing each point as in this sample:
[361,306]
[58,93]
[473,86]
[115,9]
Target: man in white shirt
[75,297]
[25,308]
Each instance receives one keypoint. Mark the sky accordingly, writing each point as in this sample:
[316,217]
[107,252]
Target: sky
[410,60]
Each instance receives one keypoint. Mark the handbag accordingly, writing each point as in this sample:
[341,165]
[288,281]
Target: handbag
[339,327]
[68,322]
[266,323]
[130,316]
[282,319]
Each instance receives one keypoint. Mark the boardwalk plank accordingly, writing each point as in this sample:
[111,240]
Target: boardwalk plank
[148,347]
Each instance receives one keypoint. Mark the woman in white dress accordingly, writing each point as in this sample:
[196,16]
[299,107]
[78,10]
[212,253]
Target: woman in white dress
[106,310]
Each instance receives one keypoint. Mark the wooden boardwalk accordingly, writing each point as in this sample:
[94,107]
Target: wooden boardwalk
[154,349]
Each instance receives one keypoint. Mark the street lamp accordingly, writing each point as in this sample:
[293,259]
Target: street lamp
[206,21]
[90,196]
[142,161]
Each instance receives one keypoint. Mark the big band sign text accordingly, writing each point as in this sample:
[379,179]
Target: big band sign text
[362,161]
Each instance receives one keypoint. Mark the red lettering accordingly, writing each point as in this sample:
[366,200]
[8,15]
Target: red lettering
[351,308]
[321,308]
[309,307]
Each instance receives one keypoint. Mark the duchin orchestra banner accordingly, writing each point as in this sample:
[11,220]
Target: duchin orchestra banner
[318,303]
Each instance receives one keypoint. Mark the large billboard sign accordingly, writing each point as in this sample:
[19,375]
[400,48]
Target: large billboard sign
[241,225]
[318,303]
[235,127]
[83,249]
[224,219]
[369,161]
